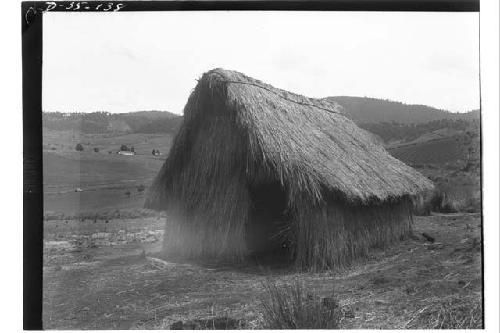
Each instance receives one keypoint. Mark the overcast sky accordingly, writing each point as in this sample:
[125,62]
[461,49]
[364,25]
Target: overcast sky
[131,61]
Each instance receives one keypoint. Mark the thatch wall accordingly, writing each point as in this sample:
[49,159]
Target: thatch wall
[239,133]
[335,234]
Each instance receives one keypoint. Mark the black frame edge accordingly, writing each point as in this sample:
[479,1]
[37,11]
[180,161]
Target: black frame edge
[32,167]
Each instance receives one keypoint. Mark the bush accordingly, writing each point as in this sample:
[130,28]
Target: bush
[79,147]
[289,307]
[448,202]
[141,188]
[421,205]
[96,150]
[441,202]
[124,148]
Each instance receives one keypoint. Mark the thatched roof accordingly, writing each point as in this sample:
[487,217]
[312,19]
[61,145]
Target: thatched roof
[307,144]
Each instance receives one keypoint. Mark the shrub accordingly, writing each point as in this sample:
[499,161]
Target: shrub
[79,147]
[289,307]
[141,188]
[421,205]
[449,202]
[96,150]
[440,202]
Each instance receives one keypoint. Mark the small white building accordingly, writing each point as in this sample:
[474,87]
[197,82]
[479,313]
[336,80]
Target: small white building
[126,152]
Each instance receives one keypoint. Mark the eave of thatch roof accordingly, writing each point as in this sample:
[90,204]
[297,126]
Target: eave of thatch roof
[308,144]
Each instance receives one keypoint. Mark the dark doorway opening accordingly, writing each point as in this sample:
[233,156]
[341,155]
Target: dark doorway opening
[266,234]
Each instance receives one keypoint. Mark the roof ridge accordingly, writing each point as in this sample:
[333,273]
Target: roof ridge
[281,96]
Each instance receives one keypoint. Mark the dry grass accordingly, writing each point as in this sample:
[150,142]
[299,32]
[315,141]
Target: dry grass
[197,236]
[291,307]
[334,236]
[451,313]
[307,144]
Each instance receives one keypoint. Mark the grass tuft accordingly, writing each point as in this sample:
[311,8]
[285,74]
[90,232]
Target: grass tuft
[291,307]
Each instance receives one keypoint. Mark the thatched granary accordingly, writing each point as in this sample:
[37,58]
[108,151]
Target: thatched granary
[253,166]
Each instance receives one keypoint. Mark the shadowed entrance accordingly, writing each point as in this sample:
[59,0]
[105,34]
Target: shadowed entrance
[266,235]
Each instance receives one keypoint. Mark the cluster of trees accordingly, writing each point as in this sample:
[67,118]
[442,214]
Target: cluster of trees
[125,148]
[95,122]
[79,147]
[105,122]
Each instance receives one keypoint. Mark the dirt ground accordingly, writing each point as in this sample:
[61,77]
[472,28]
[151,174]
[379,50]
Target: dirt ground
[100,275]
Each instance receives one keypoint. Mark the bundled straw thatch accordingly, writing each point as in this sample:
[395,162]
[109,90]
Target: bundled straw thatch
[248,153]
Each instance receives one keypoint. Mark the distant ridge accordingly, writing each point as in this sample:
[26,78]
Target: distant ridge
[105,122]
[373,110]
[389,120]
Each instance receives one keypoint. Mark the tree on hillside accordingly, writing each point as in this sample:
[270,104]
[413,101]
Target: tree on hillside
[79,147]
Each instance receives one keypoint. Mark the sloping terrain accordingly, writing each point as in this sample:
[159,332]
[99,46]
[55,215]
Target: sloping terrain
[447,147]
[436,151]
[373,110]
[106,276]
[95,181]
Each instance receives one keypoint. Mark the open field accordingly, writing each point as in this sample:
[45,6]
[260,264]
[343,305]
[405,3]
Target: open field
[65,141]
[434,151]
[100,275]
[77,183]
[88,181]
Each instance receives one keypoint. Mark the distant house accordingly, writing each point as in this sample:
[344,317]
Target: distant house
[126,152]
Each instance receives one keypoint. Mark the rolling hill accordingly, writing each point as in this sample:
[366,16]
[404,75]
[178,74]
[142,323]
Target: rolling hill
[107,123]
[372,110]
[444,146]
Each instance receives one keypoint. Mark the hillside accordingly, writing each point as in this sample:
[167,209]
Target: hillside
[444,146]
[393,133]
[372,110]
[107,123]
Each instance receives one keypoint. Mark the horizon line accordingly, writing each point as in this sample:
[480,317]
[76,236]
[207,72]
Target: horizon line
[478,108]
